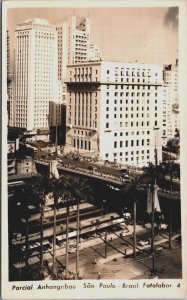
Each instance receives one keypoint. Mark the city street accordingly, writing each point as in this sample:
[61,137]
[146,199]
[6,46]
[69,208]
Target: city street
[118,265]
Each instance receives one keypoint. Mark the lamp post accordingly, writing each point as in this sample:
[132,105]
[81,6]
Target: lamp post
[171,207]
[56,138]
[67,237]
[134,229]
[106,244]
[153,208]
[153,230]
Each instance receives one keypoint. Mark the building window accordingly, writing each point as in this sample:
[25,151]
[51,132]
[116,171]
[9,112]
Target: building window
[115,144]
[121,144]
[107,125]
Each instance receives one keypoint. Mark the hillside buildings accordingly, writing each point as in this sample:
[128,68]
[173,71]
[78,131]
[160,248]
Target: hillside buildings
[114,109]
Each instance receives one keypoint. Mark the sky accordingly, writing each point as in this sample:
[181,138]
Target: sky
[146,35]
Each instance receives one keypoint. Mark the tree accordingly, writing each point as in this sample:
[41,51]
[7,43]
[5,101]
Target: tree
[41,188]
[80,189]
[132,190]
[60,189]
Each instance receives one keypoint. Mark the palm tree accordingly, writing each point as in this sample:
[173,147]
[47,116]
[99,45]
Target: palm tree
[131,190]
[80,190]
[27,200]
[61,192]
[40,189]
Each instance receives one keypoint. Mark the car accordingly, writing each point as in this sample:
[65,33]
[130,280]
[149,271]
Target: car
[72,249]
[143,243]
[125,176]
[127,216]
[163,226]
[123,233]
[159,249]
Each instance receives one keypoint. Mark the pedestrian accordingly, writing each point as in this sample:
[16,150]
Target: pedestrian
[99,275]
[125,251]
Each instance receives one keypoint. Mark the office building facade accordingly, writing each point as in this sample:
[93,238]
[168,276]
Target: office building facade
[170,101]
[114,110]
[35,74]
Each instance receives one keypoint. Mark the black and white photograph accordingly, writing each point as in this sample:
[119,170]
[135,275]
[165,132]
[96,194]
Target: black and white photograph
[92,131]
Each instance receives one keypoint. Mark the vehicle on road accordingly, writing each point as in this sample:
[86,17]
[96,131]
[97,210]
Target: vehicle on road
[143,243]
[124,233]
[159,249]
[163,226]
[72,249]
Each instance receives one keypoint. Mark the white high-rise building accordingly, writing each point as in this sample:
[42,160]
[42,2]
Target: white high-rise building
[36,81]
[94,53]
[114,109]
[170,101]
[11,104]
[73,42]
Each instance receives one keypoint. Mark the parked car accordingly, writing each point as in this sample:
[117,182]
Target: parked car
[143,243]
[163,226]
[123,233]
[72,249]
[159,249]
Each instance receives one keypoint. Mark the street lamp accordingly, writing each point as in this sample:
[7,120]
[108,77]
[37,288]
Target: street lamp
[56,138]
[154,190]
[171,207]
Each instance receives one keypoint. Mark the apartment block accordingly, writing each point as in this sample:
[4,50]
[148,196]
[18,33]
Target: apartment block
[114,109]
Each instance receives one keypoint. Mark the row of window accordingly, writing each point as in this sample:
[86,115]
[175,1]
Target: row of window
[131,133]
[128,101]
[132,124]
[138,108]
[81,144]
[131,143]
[81,132]
[132,116]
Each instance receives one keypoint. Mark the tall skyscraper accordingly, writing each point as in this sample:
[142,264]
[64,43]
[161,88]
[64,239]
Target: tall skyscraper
[8,55]
[36,81]
[170,101]
[73,42]
[114,109]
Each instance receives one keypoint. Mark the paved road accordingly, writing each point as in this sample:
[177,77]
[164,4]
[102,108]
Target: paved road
[124,267]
